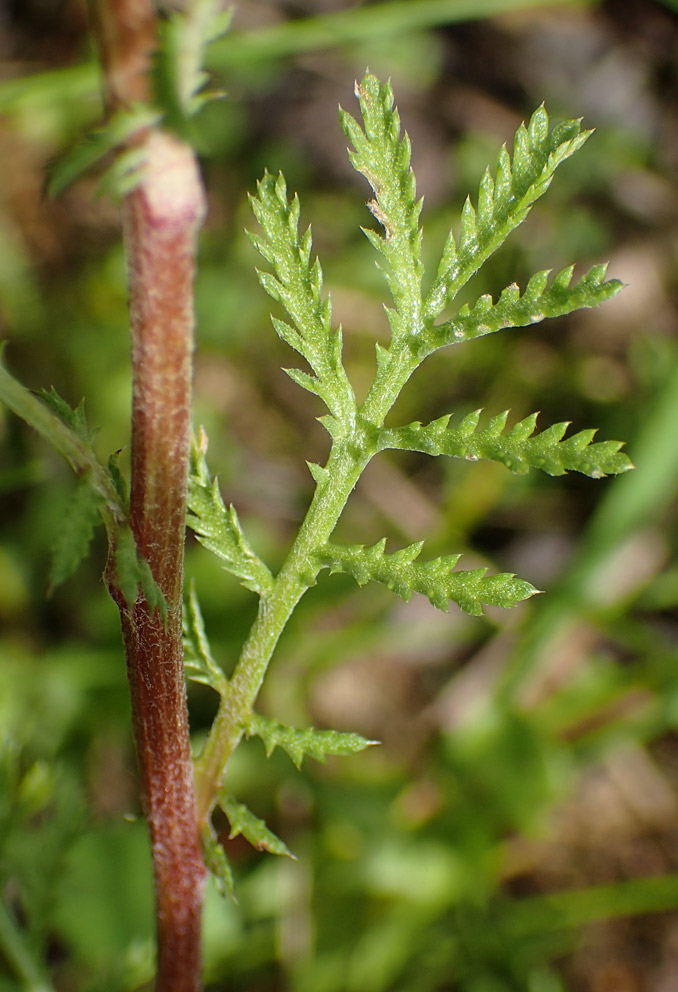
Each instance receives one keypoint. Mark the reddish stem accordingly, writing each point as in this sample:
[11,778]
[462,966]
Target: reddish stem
[161,221]
[162,217]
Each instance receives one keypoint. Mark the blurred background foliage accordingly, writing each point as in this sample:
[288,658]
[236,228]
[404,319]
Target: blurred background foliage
[517,829]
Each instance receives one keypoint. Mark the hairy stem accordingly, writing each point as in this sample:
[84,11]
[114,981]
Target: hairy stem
[161,217]
[345,465]
[295,577]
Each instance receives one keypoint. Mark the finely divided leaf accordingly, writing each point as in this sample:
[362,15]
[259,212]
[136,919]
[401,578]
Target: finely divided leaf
[199,665]
[298,743]
[435,579]
[76,530]
[125,172]
[384,159]
[504,201]
[67,430]
[297,285]
[254,830]
[218,528]
[539,300]
[179,78]
[216,862]
[95,493]
[73,417]
[520,449]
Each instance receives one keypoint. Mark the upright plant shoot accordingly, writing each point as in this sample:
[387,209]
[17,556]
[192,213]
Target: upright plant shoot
[293,278]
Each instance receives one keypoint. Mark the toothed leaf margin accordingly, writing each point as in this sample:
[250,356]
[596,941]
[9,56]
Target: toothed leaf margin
[519,449]
[318,744]
[399,572]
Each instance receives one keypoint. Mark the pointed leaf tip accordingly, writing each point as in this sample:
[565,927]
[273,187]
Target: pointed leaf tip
[317,744]
[253,829]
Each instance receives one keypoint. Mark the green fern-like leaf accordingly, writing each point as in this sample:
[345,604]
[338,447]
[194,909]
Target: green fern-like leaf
[73,417]
[295,281]
[218,528]
[384,159]
[76,531]
[199,664]
[254,830]
[403,575]
[216,862]
[319,744]
[520,449]
[297,285]
[504,201]
[537,302]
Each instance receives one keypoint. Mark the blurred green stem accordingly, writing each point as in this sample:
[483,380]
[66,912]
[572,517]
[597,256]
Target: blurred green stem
[555,911]
[357,25]
[17,955]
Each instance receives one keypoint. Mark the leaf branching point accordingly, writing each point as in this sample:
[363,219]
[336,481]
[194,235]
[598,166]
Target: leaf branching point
[504,201]
[297,285]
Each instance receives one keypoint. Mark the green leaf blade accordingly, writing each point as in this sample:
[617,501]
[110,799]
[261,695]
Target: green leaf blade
[504,202]
[218,528]
[296,283]
[96,145]
[199,664]
[134,573]
[538,301]
[399,571]
[73,417]
[254,830]
[519,449]
[474,589]
[298,743]
[217,863]
[383,158]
